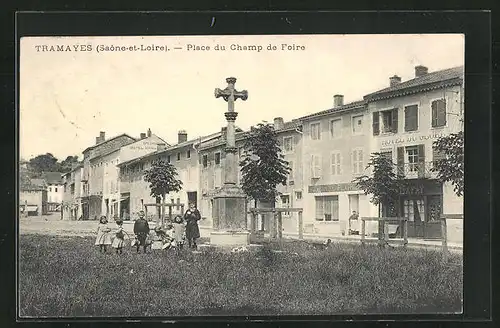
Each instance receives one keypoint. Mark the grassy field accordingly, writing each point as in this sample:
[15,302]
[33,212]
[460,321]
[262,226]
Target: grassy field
[67,276]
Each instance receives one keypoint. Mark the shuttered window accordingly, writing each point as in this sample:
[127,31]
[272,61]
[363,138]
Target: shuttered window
[411,118]
[376,123]
[335,162]
[357,161]
[438,113]
[315,166]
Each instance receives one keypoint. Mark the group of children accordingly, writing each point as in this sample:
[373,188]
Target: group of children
[182,228]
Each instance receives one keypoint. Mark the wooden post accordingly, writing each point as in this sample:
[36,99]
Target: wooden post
[386,231]
[280,225]
[381,223]
[301,226]
[405,231]
[444,236]
[62,204]
[170,213]
[253,222]
[146,212]
[363,229]
[273,226]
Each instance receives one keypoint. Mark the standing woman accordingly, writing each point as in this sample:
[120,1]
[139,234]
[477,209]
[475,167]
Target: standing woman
[192,216]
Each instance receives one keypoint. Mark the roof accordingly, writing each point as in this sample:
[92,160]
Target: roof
[107,140]
[291,125]
[429,81]
[351,105]
[52,177]
[170,148]
[33,185]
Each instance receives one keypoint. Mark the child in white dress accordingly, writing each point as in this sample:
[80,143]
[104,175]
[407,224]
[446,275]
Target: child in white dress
[103,238]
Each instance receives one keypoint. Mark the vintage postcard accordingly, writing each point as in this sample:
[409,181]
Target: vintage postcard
[244,175]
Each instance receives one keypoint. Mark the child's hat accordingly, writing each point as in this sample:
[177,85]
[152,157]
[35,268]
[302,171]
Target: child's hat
[178,219]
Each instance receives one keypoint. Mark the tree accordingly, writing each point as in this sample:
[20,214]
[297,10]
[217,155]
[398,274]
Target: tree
[450,168]
[162,178]
[67,164]
[384,185]
[44,163]
[263,166]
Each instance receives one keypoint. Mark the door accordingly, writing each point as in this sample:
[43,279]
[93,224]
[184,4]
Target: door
[353,206]
[414,210]
[192,198]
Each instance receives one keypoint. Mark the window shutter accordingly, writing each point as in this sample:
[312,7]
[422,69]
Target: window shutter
[421,161]
[312,167]
[441,115]
[318,167]
[434,114]
[376,124]
[339,164]
[400,160]
[411,118]
[360,161]
[395,120]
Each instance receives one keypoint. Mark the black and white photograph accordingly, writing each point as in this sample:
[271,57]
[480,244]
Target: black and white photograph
[241,175]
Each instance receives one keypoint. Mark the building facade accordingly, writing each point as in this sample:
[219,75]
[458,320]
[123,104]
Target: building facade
[93,172]
[55,190]
[405,119]
[72,193]
[336,151]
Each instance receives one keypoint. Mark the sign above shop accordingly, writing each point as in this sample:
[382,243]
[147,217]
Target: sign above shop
[339,187]
[410,139]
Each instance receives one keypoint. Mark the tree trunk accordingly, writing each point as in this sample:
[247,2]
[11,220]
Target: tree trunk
[163,210]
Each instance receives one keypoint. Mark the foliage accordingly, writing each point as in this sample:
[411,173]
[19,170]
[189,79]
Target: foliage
[49,163]
[44,163]
[162,178]
[344,279]
[67,164]
[263,166]
[383,185]
[451,167]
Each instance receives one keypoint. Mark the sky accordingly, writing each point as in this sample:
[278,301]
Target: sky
[67,97]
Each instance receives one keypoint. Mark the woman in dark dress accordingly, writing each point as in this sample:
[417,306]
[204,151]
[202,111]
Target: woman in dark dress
[192,216]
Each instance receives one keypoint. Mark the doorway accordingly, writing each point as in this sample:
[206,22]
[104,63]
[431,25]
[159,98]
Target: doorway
[192,198]
[353,225]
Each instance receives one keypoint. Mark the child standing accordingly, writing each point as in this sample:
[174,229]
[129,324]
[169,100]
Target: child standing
[103,238]
[119,240]
[179,231]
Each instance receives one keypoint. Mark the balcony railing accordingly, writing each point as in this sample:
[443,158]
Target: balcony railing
[416,170]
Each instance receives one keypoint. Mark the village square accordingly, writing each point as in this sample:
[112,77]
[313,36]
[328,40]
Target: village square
[356,208]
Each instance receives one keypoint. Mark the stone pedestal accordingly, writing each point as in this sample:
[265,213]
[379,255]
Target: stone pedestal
[230,218]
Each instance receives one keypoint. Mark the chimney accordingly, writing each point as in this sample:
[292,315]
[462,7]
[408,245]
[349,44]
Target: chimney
[338,100]
[182,136]
[420,71]
[278,123]
[97,140]
[143,136]
[393,80]
[149,133]
[102,135]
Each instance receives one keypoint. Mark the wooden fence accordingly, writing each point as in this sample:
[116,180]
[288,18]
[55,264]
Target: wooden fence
[444,232]
[383,229]
[277,229]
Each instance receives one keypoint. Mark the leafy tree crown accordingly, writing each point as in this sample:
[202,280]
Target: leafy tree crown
[162,178]
[263,166]
[450,168]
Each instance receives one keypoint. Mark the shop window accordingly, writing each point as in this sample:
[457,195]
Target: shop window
[327,208]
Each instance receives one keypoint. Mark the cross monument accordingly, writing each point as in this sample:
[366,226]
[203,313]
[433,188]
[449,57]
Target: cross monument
[230,205]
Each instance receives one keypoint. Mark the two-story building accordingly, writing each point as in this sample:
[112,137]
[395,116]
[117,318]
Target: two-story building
[406,118]
[335,151]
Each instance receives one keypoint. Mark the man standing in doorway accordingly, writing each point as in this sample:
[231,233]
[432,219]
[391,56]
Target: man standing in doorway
[354,217]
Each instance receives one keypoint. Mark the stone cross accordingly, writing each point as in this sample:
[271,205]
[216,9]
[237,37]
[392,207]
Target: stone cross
[230,94]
